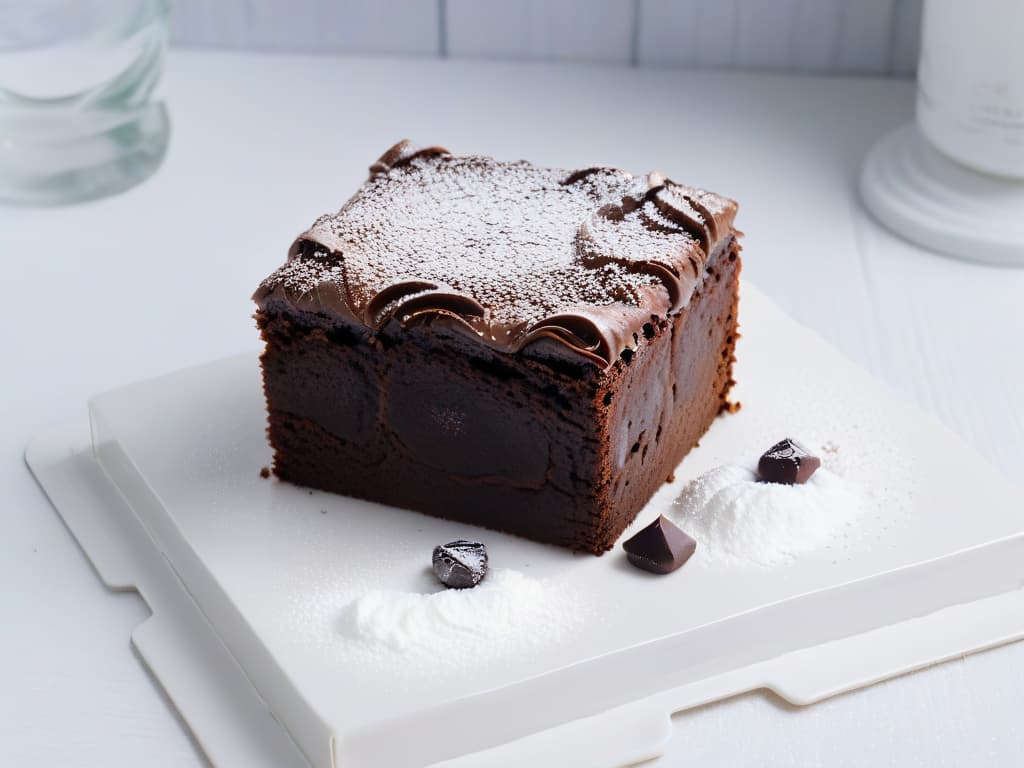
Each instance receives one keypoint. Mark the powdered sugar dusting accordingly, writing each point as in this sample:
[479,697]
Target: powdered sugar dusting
[521,243]
[305,275]
[506,613]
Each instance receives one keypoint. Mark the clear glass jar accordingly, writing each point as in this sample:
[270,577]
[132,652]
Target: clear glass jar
[76,80]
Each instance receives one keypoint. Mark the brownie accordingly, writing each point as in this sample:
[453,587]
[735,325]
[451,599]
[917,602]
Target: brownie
[529,349]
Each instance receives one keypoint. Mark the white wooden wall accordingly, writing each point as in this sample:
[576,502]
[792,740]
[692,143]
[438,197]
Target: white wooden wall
[838,36]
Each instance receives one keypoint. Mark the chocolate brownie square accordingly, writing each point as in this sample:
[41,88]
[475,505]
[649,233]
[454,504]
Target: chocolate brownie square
[529,349]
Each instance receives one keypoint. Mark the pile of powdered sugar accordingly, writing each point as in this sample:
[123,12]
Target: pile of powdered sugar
[506,613]
[740,521]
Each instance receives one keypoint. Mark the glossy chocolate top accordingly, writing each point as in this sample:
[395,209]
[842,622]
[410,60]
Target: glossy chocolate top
[507,252]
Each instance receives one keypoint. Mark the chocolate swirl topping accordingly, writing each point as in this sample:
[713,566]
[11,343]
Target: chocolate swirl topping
[507,252]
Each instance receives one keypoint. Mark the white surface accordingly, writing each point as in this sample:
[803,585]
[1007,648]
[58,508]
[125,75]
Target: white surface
[209,688]
[191,243]
[929,199]
[840,36]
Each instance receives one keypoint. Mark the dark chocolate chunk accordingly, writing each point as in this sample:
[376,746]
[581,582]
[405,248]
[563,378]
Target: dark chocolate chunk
[460,564]
[787,462]
[661,547]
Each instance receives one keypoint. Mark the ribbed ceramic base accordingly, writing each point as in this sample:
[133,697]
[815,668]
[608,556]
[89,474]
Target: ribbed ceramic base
[933,201]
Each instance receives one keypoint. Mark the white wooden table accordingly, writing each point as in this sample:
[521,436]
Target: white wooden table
[102,294]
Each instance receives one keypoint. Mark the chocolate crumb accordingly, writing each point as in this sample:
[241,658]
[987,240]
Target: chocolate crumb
[265,472]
